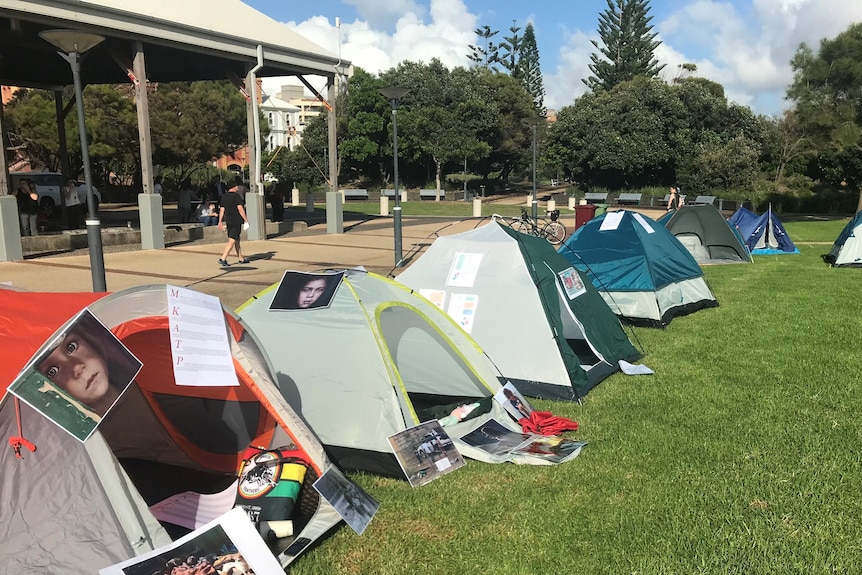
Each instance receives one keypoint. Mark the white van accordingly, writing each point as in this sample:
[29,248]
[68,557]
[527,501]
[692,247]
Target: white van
[48,186]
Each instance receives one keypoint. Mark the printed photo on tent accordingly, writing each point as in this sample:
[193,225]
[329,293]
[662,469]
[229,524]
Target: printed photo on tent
[230,544]
[494,438]
[513,402]
[425,452]
[572,283]
[302,290]
[77,378]
[552,449]
[353,503]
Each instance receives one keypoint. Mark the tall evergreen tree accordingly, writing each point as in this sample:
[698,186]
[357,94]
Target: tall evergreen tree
[511,47]
[484,53]
[530,73]
[628,45]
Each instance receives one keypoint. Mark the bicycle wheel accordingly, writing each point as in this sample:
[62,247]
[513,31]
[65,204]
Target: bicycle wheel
[520,226]
[554,232]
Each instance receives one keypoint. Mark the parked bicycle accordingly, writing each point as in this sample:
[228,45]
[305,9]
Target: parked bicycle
[549,228]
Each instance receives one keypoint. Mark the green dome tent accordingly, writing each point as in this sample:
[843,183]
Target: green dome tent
[544,326]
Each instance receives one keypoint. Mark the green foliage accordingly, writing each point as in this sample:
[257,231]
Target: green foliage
[628,45]
[485,52]
[193,122]
[825,91]
[531,71]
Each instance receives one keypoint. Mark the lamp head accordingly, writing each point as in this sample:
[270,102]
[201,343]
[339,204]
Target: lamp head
[69,41]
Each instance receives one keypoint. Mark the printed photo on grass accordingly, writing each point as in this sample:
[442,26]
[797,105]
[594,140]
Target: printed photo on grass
[78,376]
[552,449]
[230,544]
[301,291]
[494,438]
[425,452]
[353,503]
[513,402]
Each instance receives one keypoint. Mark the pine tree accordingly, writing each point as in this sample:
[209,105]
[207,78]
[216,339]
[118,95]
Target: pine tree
[511,47]
[628,45]
[488,54]
[530,73]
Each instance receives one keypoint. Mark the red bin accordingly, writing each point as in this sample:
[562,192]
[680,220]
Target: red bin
[583,214]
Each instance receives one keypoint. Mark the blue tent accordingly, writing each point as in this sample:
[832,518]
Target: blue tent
[762,234]
[644,273]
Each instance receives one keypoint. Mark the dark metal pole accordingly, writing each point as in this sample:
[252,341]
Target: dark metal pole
[396,211]
[535,199]
[465,179]
[94,231]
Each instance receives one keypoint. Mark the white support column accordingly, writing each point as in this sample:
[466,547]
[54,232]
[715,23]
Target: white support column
[149,203]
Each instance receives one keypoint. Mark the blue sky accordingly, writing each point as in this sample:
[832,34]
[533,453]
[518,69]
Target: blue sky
[745,45]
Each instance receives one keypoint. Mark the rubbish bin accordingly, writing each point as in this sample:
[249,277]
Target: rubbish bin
[584,213]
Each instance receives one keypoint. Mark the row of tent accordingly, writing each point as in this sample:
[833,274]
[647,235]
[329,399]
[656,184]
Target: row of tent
[335,382]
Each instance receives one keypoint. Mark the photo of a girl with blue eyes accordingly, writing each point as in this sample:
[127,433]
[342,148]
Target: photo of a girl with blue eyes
[77,380]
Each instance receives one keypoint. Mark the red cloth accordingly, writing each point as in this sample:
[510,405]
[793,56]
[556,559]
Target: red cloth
[546,423]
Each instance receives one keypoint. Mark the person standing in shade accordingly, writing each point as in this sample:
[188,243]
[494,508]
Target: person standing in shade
[28,208]
[73,204]
[673,199]
[157,185]
[184,201]
[231,214]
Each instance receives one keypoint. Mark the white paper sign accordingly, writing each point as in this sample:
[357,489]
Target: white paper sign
[435,296]
[464,269]
[200,349]
[612,221]
[572,283]
[644,224]
[462,308]
[634,369]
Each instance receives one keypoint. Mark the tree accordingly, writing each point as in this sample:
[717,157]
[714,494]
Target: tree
[531,72]
[628,45]
[511,47]
[484,53]
[193,122]
[826,92]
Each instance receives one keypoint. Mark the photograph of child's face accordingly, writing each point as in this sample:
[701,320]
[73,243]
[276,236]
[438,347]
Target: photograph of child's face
[305,291]
[78,376]
[311,292]
[80,371]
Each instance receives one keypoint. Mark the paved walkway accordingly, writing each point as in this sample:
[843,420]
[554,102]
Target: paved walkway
[369,244]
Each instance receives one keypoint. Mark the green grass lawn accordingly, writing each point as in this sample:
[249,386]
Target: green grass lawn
[740,455]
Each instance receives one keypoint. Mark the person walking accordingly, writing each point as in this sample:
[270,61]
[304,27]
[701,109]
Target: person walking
[231,214]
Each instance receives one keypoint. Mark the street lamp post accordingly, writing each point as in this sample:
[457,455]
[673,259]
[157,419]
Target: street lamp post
[533,123]
[465,179]
[72,44]
[394,94]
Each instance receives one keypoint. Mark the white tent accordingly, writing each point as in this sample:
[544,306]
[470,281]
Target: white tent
[544,326]
[378,360]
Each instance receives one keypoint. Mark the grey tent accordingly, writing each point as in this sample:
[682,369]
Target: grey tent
[378,360]
[74,507]
[543,324]
[706,234]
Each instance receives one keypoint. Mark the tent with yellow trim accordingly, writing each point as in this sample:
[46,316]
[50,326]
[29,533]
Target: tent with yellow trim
[378,360]
[75,507]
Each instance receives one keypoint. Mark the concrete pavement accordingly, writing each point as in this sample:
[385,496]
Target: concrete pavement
[365,243]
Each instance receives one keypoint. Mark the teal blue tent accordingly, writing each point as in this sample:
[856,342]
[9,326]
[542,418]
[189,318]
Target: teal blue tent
[644,273]
[847,249]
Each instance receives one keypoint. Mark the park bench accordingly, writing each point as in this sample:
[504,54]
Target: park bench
[705,200]
[355,194]
[388,193]
[596,197]
[629,199]
[431,195]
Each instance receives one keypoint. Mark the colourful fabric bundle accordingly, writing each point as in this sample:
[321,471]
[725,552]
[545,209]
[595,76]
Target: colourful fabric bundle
[270,482]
